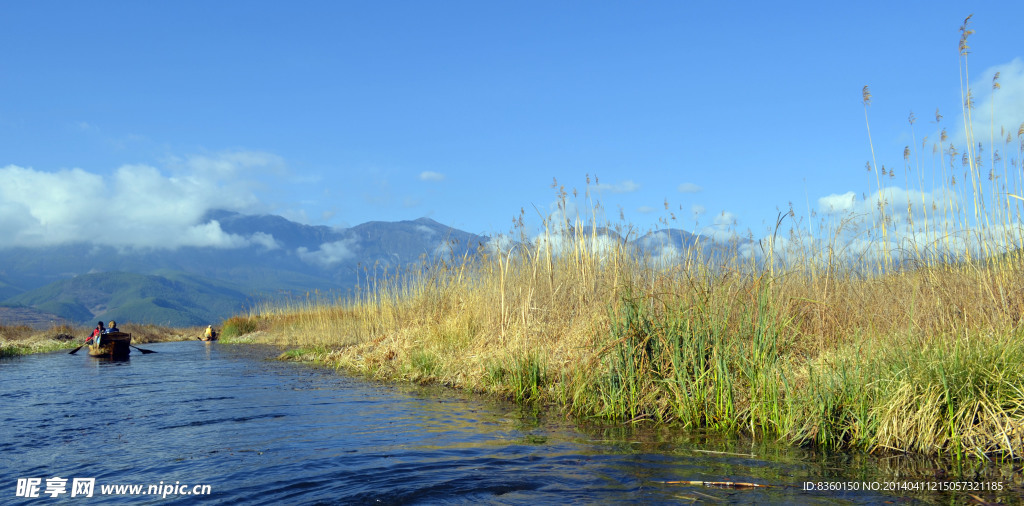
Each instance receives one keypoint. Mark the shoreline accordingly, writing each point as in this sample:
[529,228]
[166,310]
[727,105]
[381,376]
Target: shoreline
[829,403]
[835,401]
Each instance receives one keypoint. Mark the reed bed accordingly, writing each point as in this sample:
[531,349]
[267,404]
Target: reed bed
[924,360]
[18,340]
[895,329]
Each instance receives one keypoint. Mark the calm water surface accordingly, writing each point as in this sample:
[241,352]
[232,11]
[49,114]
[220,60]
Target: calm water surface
[259,431]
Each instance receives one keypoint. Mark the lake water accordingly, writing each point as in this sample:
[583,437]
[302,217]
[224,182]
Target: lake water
[224,419]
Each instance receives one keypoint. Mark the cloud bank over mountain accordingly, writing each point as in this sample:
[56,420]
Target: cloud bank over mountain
[330,253]
[136,206]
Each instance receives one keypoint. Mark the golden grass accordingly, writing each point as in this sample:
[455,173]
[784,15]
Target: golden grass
[21,339]
[834,358]
[896,330]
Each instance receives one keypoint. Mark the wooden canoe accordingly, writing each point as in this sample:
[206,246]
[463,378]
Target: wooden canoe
[112,345]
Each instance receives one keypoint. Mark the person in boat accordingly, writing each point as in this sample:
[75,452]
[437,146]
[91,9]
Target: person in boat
[112,327]
[210,334]
[97,333]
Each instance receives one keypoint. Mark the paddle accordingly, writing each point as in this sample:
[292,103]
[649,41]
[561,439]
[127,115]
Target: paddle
[72,352]
[140,349]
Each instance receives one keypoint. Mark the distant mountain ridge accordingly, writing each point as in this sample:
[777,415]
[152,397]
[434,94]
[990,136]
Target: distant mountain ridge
[192,285]
[83,283]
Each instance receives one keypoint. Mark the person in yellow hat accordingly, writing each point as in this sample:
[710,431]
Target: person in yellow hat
[210,334]
[112,327]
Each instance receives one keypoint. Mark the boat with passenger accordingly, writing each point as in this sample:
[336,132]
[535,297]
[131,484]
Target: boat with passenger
[112,345]
[209,335]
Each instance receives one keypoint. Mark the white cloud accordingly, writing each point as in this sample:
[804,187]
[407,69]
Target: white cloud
[265,240]
[663,251]
[499,244]
[562,242]
[428,175]
[836,203]
[231,164]
[698,210]
[917,225]
[330,253]
[996,112]
[667,255]
[444,250]
[722,228]
[724,219]
[137,206]
[645,209]
[656,238]
[906,207]
[689,188]
[210,235]
[563,212]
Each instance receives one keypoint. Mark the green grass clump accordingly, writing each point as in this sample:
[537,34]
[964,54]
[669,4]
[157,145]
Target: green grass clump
[961,396]
[424,364]
[522,378]
[667,359]
[239,326]
[306,354]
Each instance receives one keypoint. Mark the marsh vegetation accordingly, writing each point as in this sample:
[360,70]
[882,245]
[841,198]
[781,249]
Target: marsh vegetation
[895,326]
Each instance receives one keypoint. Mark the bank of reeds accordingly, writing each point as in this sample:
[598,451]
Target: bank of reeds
[895,330]
[923,360]
[18,340]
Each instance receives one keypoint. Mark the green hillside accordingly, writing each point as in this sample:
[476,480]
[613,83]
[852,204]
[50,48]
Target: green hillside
[174,299]
[69,310]
[8,290]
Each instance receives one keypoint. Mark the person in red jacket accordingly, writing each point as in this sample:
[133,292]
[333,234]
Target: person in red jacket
[96,334]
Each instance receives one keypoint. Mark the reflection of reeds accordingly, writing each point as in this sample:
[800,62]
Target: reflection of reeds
[902,336]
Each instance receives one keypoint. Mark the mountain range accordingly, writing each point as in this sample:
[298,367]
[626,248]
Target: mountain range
[83,283]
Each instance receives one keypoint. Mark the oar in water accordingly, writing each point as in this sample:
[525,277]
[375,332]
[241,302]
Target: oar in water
[140,349]
[72,352]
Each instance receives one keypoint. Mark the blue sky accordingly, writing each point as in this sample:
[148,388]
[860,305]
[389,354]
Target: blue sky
[338,113]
